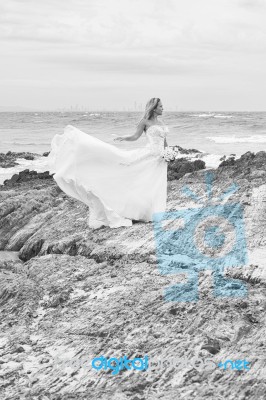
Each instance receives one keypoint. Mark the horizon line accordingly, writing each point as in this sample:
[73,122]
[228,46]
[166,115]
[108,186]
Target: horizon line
[118,110]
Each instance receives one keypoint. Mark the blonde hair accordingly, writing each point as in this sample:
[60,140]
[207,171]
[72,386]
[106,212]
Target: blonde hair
[149,109]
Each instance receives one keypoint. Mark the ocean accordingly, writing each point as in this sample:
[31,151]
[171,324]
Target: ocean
[214,133]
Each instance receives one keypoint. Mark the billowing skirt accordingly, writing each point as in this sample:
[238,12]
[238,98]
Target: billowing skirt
[118,185]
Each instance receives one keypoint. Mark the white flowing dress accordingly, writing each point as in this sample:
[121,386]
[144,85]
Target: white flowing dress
[118,185]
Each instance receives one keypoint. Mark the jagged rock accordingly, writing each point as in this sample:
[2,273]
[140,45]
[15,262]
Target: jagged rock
[228,162]
[185,151]
[8,160]
[248,164]
[82,293]
[13,179]
[181,166]
[29,157]
[27,175]
[46,153]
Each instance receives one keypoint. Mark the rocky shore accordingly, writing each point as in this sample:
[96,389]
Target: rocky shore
[27,175]
[77,293]
[8,160]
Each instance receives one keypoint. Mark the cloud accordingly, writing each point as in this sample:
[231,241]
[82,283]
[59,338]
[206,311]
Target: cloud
[127,24]
[98,41]
[252,3]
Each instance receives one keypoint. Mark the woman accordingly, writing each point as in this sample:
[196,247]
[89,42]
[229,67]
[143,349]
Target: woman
[118,185]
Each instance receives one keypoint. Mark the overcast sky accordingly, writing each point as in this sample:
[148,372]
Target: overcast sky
[193,54]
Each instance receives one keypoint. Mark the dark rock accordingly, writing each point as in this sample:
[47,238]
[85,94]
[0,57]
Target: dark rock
[44,175]
[27,175]
[181,150]
[211,349]
[23,173]
[20,349]
[181,167]
[228,162]
[46,153]
[247,163]
[260,159]
[14,178]
[247,156]
[29,157]
[8,160]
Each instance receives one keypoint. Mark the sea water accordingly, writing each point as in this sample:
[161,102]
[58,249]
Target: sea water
[214,133]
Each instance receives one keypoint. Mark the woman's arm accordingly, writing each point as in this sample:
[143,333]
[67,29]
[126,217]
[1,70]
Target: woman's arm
[137,134]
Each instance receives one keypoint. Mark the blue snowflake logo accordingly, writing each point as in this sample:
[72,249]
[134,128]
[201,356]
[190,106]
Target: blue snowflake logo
[207,237]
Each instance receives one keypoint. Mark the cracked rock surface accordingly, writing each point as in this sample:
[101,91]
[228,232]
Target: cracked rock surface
[77,293]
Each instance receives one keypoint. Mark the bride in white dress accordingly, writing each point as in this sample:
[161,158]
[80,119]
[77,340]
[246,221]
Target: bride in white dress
[118,185]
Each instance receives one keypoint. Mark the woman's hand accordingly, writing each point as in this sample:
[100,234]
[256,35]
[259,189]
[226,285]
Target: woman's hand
[117,138]
[130,138]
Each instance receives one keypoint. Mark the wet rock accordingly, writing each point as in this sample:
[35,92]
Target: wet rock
[246,161]
[8,160]
[181,166]
[181,150]
[13,179]
[228,162]
[27,175]
[29,157]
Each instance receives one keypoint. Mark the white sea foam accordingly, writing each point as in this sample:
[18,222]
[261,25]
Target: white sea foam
[203,115]
[234,139]
[223,116]
[39,165]
[212,115]
[211,160]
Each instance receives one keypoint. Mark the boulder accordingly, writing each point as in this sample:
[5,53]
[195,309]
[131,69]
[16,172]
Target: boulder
[181,166]
[27,175]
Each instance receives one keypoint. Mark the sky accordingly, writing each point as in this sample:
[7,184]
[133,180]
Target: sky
[110,54]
